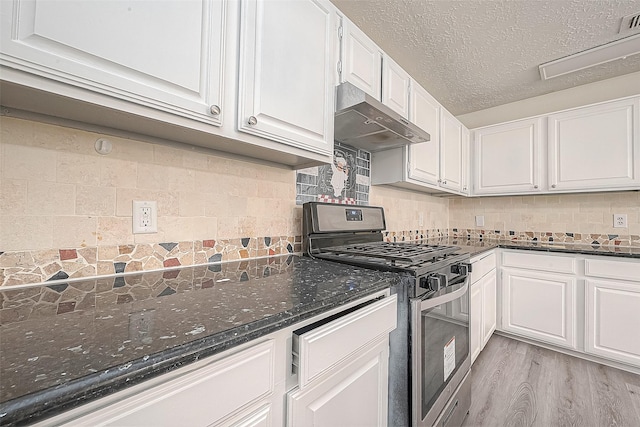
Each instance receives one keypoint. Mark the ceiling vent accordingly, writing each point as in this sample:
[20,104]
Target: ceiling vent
[630,24]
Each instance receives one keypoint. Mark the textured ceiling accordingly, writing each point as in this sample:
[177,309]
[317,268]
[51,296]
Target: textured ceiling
[477,54]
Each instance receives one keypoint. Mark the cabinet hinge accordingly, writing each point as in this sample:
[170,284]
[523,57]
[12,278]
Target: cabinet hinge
[340,32]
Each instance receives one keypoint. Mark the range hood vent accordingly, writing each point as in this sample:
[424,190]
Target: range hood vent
[364,122]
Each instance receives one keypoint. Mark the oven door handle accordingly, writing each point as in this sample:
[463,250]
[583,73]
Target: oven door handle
[434,302]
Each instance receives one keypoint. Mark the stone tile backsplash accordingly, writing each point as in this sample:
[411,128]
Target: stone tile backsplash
[26,267]
[65,211]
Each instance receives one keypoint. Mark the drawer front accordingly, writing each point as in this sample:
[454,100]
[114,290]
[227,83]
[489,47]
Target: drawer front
[613,269]
[231,383]
[532,261]
[482,266]
[322,348]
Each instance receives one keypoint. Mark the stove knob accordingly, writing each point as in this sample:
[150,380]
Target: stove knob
[436,281]
[462,269]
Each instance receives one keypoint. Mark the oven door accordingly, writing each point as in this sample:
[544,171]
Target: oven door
[440,350]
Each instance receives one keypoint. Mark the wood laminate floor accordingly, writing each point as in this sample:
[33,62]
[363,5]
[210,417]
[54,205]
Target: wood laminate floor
[518,384]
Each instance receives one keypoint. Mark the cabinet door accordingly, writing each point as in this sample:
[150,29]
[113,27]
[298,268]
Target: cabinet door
[489,306]
[507,158]
[355,395]
[466,157]
[286,81]
[595,147]
[475,320]
[395,87]
[424,158]
[540,306]
[451,135]
[166,55]
[361,60]
[613,320]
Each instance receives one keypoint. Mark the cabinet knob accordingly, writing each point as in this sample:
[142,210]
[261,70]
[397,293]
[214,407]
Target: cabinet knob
[535,186]
[553,186]
[444,182]
[253,121]
[215,110]
[439,180]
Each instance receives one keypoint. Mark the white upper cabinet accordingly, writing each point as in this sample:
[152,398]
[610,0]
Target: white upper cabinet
[437,166]
[361,63]
[595,147]
[395,87]
[451,141]
[286,83]
[165,55]
[507,158]
[466,161]
[424,158]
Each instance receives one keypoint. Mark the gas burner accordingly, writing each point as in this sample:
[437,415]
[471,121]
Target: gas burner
[394,252]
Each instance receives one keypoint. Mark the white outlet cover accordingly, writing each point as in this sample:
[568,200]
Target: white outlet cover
[619,220]
[479,220]
[142,224]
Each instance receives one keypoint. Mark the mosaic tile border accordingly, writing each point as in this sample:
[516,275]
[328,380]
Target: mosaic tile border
[623,240]
[30,267]
[409,235]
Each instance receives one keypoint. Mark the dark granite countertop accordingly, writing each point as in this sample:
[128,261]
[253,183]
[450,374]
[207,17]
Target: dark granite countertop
[64,344]
[477,246]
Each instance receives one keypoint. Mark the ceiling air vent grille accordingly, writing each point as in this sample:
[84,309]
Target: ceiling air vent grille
[630,24]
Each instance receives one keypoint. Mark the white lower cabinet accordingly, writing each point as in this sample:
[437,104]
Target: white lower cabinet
[475,325]
[613,320]
[235,383]
[489,306]
[335,373]
[540,306]
[613,309]
[587,304]
[482,303]
[355,395]
[343,369]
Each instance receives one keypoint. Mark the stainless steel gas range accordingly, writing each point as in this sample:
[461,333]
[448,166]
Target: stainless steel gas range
[429,362]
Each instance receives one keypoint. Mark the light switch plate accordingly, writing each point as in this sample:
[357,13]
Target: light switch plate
[479,220]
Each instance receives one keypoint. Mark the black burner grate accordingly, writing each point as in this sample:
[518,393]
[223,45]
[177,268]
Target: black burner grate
[390,251]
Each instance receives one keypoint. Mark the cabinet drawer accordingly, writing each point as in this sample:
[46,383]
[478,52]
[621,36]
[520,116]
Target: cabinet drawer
[533,261]
[232,383]
[482,266]
[613,269]
[319,347]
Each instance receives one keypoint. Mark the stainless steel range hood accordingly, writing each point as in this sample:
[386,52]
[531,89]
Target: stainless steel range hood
[364,122]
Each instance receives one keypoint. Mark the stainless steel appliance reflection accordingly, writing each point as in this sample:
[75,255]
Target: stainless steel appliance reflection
[429,362]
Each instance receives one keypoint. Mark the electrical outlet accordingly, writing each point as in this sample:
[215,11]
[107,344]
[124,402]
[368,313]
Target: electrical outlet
[421,219]
[479,220]
[145,217]
[619,220]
